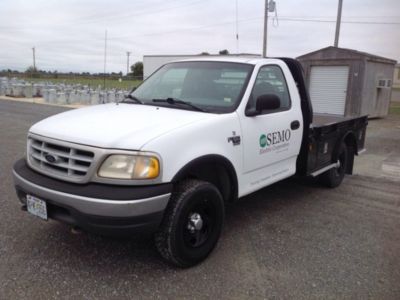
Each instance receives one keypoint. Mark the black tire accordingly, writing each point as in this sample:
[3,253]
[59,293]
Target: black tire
[334,177]
[178,241]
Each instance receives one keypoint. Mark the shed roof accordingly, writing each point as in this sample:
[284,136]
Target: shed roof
[343,53]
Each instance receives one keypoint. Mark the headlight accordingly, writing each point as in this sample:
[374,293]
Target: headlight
[130,167]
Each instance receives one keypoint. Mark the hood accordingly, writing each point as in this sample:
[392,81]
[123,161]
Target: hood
[122,126]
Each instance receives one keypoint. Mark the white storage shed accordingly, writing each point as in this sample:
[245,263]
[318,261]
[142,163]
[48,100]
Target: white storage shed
[348,82]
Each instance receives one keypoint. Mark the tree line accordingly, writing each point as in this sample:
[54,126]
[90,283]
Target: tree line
[32,72]
[136,72]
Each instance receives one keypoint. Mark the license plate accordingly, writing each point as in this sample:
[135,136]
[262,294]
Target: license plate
[36,206]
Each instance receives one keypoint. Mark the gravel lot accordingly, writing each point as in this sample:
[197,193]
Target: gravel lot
[291,240]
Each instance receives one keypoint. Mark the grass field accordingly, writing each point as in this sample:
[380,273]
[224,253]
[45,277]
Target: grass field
[92,82]
[394,108]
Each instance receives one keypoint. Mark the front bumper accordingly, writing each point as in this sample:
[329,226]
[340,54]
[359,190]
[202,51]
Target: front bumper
[100,208]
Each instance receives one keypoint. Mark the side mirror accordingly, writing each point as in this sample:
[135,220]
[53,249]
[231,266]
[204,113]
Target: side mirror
[265,102]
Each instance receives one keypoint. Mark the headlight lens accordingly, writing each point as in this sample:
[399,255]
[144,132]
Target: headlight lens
[130,167]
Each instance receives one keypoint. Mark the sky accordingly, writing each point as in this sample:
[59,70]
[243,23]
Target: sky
[69,35]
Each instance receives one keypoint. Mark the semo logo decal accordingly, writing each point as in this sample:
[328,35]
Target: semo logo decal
[275,141]
[263,140]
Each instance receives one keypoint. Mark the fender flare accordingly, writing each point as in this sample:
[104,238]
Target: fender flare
[214,159]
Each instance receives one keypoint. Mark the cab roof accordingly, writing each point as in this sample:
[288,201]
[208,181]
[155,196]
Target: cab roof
[234,59]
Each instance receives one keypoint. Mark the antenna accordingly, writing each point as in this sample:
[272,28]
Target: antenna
[237,27]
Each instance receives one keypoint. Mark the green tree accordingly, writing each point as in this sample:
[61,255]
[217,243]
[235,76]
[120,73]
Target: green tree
[224,52]
[137,70]
[32,71]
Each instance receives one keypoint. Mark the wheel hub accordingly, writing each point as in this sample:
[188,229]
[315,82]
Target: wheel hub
[195,222]
[338,164]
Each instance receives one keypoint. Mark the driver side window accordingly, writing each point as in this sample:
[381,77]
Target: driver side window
[270,80]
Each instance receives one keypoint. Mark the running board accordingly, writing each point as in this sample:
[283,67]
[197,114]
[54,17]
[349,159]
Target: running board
[361,151]
[324,169]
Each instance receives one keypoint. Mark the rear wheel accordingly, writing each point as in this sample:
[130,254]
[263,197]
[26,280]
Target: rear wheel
[192,223]
[334,177]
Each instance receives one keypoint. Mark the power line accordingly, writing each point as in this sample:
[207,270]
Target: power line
[185,29]
[290,19]
[101,20]
[131,15]
[333,21]
[250,20]
[347,16]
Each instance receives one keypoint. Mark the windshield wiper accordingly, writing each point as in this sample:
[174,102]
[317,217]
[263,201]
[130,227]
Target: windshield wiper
[131,97]
[174,101]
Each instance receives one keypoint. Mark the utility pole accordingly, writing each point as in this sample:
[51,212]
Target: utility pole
[34,59]
[127,62]
[105,59]
[265,29]
[269,7]
[339,19]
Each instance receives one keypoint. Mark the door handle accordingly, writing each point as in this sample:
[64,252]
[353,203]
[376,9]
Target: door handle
[295,125]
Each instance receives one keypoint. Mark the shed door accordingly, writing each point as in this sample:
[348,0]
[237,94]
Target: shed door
[328,89]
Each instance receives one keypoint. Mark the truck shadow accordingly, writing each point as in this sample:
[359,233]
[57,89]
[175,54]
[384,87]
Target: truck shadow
[101,256]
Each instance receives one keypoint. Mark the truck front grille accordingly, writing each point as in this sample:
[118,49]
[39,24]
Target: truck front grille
[57,159]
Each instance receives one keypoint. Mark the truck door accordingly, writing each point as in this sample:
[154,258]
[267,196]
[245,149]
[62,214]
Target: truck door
[272,138]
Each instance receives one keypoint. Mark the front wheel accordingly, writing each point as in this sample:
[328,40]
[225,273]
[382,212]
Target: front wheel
[334,177]
[192,223]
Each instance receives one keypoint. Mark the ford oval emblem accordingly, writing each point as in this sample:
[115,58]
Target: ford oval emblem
[51,158]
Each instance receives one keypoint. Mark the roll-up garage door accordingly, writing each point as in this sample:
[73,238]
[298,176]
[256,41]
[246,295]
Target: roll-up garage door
[328,89]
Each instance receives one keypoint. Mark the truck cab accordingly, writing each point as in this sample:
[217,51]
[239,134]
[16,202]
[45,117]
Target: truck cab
[194,136]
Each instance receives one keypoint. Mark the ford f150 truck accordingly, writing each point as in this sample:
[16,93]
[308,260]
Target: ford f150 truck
[194,136]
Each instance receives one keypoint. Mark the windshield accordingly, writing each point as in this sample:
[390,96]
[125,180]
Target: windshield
[212,86]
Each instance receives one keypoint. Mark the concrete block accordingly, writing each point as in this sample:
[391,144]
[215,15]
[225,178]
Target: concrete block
[110,97]
[67,96]
[45,95]
[95,98]
[52,96]
[84,97]
[102,97]
[38,90]
[27,90]
[17,90]
[61,98]
[9,90]
[72,99]
[120,95]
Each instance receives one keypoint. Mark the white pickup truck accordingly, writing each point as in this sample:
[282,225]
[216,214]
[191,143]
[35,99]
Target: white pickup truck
[194,136]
